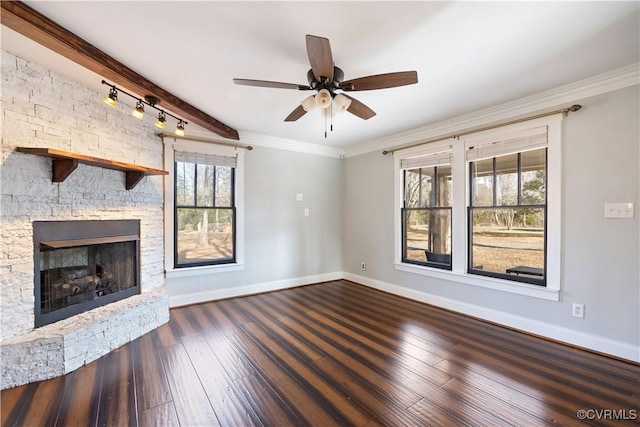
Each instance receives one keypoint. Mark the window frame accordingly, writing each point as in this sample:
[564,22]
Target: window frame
[170,209]
[460,216]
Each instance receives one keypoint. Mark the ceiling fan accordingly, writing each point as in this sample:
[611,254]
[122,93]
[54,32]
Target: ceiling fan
[327,79]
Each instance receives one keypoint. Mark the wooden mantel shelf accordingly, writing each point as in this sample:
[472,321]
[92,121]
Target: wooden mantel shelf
[65,162]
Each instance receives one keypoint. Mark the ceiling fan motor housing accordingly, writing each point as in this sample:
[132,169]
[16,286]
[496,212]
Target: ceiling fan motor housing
[338,76]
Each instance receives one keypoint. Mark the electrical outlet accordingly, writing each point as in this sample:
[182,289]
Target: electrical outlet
[578,310]
[363,266]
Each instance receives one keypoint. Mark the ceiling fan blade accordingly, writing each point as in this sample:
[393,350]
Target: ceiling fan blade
[357,108]
[381,81]
[265,83]
[320,58]
[295,114]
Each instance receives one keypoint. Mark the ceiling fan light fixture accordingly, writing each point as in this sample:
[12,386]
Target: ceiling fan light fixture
[138,112]
[342,102]
[323,98]
[309,103]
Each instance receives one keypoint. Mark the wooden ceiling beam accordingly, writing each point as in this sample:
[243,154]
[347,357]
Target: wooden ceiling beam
[32,24]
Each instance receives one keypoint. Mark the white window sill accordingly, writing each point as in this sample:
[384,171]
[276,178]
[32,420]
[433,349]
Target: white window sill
[484,282]
[203,270]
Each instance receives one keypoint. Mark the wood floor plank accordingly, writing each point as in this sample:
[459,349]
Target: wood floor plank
[550,411]
[81,401]
[373,357]
[266,402]
[160,415]
[293,394]
[377,400]
[377,377]
[228,405]
[15,403]
[39,405]
[118,394]
[167,333]
[325,391]
[152,388]
[189,398]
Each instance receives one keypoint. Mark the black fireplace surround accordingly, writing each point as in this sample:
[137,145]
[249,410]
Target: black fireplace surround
[81,265]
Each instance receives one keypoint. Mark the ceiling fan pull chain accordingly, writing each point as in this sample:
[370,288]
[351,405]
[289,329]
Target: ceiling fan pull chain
[325,123]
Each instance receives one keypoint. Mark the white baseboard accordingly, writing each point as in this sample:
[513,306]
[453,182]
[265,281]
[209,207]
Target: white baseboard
[554,332]
[237,291]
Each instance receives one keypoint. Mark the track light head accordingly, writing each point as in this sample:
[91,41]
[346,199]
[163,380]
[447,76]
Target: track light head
[180,128]
[161,121]
[138,112]
[112,99]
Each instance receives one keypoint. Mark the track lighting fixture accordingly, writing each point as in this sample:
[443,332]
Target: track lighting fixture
[161,121]
[180,128]
[138,111]
[112,99]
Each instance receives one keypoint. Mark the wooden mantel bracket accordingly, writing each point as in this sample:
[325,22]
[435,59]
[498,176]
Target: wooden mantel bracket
[32,24]
[62,168]
[65,162]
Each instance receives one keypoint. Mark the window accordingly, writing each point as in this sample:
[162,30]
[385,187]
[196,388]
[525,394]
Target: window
[426,213]
[484,209]
[204,210]
[203,217]
[507,214]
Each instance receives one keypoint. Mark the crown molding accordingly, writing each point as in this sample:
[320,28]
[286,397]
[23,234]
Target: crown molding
[570,93]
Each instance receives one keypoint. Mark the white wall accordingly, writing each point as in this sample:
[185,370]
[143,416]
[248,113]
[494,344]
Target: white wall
[600,264]
[282,247]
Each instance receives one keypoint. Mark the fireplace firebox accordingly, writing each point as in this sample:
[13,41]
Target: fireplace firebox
[80,265]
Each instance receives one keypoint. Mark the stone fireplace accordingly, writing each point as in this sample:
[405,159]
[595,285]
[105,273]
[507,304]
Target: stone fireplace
[78,316]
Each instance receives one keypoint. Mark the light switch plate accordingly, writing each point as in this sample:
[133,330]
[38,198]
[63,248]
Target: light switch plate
[618,210]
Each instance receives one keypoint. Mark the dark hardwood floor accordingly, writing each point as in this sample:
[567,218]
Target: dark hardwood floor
[335,353]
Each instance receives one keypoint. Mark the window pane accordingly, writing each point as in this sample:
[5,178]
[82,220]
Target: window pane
[205,185]
[445,186]
[412,188]
[204,235]
[482,181]
[427,236]
[427,195]
[185,180]
[533,177]
[504,239]
[507,180]
[223,186]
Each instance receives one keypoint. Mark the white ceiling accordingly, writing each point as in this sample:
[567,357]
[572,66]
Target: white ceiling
[468,55]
